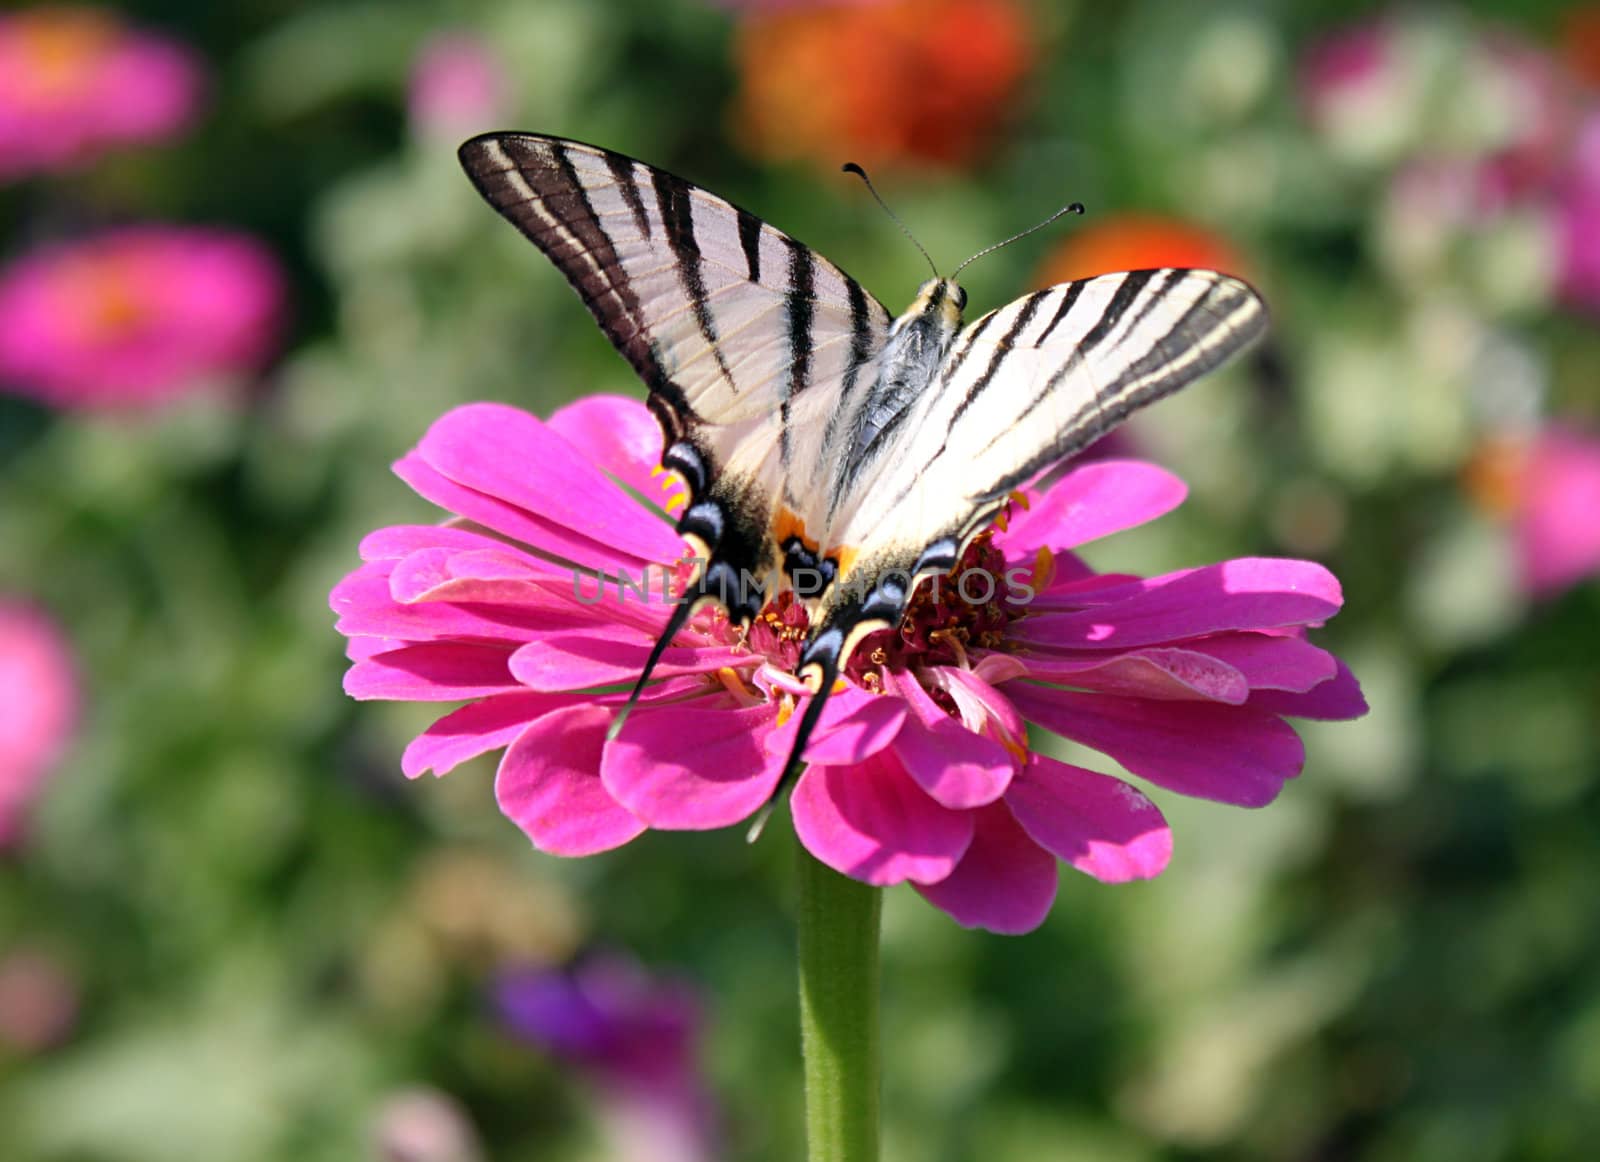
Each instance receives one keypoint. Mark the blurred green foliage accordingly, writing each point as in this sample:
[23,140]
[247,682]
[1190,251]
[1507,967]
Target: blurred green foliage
[270,931]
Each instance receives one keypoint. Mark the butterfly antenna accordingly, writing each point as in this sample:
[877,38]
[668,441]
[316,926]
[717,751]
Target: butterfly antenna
[852,167]
[829,665]
[680,614]
[1069,208]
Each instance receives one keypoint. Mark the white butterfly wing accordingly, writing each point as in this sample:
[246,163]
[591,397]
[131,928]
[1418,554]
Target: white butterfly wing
[1022,388]
[747,339]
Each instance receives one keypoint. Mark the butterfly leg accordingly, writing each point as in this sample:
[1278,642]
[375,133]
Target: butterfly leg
[718,583]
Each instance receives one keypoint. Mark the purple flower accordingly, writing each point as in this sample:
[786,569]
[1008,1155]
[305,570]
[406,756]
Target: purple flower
[75,82]
[137,316]
[39,691]
[1578,218]
[636,1041]
[920,770]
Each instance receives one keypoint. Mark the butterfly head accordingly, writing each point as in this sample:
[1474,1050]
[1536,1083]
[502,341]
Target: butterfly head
[941,300]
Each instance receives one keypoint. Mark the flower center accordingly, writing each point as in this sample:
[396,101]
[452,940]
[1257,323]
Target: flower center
[966,608]
[106,297]
[60,52]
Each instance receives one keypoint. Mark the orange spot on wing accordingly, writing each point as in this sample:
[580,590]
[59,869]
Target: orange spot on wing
[788,524]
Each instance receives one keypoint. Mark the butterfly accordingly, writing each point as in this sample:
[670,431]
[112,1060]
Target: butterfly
[827,446]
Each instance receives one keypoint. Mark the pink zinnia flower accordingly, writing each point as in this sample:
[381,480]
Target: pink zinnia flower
[75,82]
[1401,86]
[920,770]
[40,694]
[1547,487]
[137,316]
[458,87]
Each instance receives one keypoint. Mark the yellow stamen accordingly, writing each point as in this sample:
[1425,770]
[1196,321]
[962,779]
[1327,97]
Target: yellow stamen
[952,638]
[1021,498]
[1018,750]
[1044,569]
[785,710]
[729,677]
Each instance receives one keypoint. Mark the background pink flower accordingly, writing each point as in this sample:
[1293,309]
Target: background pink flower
[458,87]
[423,1124]
[76,81]
[920,769]
[40,695]
[137,316]
[1556,510]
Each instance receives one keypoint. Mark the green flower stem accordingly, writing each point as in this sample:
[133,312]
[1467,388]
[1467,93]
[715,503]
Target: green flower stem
[839,1013]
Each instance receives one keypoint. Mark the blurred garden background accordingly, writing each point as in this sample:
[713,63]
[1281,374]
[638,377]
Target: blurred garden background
[240,274]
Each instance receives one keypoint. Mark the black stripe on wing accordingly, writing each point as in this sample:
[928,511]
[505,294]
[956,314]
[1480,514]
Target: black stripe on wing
[1224,318]
[1002,347]
[677,214]
[532,182]
[800,307]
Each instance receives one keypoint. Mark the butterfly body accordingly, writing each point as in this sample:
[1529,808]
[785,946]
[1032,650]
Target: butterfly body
[827,447]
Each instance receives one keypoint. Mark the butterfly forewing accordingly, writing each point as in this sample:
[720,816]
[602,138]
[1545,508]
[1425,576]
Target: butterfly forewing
[1034,382]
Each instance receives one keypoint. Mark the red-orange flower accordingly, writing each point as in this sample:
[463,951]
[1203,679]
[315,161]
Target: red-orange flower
[903,82]
[1137,241]
[1580,42]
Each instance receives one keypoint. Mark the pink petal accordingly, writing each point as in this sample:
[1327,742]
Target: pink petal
[588,657]
[1088,503]
[871,822]
[504,452]
[981,704]
[1271,661]
[367,608]
[500,516]
[477,729]
[1338,698]
[1233,754]
[549,785]
[397,541]
[955,766]
[692,767]
[359,649]
[618,435]
[854,724]
[1248,593]
[1005,882]
[497,576]
[1098,824]
[436,672]
[1157,672]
